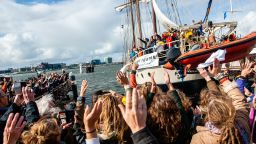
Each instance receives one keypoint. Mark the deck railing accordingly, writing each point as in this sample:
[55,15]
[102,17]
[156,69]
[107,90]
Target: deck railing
[181,46]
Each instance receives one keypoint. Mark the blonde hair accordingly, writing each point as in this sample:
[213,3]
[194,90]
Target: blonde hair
[221,113]
[45,131]
[205,96]
[111,120]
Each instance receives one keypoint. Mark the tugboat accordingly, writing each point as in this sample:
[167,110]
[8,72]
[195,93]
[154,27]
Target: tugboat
[89,68]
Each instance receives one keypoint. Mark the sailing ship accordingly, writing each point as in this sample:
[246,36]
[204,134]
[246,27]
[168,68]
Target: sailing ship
[149,59]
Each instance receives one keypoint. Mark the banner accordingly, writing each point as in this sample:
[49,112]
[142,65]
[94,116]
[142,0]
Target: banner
[146,61]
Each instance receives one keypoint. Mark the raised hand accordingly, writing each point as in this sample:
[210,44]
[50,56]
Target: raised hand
[135,66]
[91,116]
[204,74]
[168,81]
[13,129]
[197,111]
[84,87]
[246,69]
[153,82]
[18,100]
[166,78]
[28,95]
[247,92]
[135,111]
[66,125]
[121,78]
[216,67]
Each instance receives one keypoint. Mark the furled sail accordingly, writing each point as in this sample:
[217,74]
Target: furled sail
[164,20]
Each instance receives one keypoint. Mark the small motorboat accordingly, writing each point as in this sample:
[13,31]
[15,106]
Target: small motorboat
[236,50]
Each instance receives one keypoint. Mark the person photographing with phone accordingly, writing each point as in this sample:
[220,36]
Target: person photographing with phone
[24,103]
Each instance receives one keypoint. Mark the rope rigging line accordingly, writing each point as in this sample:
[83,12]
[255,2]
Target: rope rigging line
[168,9]
[150,16]
[177,12]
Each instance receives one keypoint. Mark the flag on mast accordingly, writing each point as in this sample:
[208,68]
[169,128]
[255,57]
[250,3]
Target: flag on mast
[225,14]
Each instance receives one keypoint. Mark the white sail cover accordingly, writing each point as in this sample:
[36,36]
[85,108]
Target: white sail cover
[164,20]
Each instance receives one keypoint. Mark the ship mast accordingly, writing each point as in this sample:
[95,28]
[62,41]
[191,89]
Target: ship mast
[154,19]
[132,21]
[231,7]
[138,20]
[231,10]
[138,15]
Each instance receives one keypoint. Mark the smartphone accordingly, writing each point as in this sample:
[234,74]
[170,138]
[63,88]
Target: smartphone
[62,117]
[17,86]
[70,116]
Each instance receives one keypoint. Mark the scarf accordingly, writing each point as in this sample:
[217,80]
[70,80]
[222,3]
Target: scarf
[212,128]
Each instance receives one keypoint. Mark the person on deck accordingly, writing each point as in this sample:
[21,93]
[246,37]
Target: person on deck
[132,54]
[195,45]
[169,40]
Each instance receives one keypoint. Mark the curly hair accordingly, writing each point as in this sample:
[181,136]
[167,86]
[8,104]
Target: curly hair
[45,131]
[111,121]
[185,100]
[205,96]
[221,112]
[146,87]
[164,118]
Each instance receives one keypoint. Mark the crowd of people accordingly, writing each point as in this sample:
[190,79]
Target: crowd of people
[144,114]
[42,84]
[171,44]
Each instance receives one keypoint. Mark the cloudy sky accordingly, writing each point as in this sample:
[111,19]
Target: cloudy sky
[72,31]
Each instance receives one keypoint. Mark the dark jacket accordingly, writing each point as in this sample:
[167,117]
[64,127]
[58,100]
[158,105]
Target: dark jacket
[78,134]
[30,112]
[144,136]
[184,118]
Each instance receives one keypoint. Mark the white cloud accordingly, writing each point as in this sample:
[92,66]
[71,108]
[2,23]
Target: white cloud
[247,23]
[75,30]
[66,31]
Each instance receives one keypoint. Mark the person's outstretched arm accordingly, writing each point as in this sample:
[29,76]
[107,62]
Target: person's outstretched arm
[81,102]
[90,119]
[31,110]
[135,114]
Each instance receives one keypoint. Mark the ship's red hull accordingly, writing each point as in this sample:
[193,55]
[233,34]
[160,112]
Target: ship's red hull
[236,50]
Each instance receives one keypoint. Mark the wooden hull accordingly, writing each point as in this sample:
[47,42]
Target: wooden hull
[236,50]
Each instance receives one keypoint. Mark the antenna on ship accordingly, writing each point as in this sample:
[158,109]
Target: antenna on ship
[231,11]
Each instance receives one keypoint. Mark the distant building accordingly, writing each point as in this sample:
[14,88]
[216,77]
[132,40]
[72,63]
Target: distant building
[108,60]
[5,71]
[47,66]
[72,66]
[25,69]
[96,61]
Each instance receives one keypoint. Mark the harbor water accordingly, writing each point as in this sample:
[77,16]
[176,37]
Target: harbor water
[103,78]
